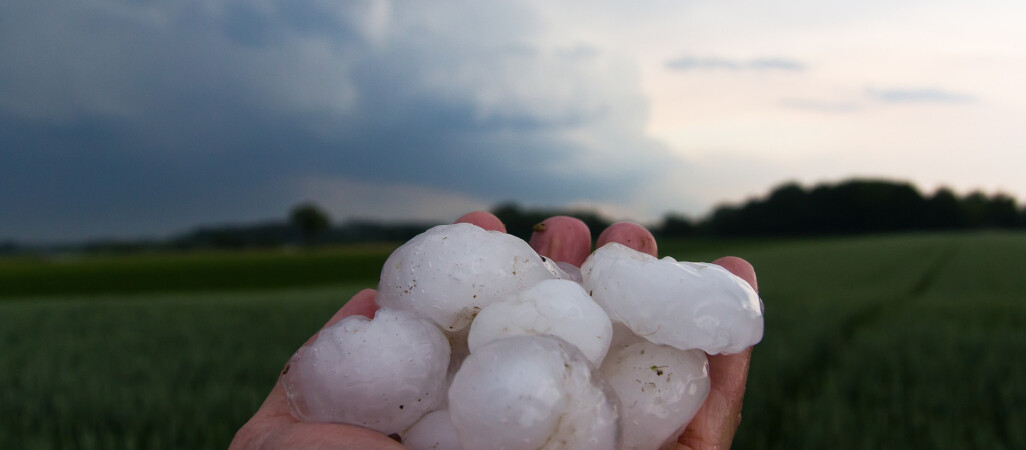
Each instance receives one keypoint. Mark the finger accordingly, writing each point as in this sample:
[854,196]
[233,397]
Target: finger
[484,220]
[328,436]
[741,268]
[630,234]
[562,238]
[716,422]
[269,434]
[362,304]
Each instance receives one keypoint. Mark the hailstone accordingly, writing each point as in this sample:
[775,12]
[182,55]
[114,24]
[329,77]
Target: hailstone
[448,273]
[382,373]
[433,432]
[682,304]
[660,389]
[557,307]
[532,392]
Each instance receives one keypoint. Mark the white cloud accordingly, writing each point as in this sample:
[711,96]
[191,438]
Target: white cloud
[686,63]
[918,95]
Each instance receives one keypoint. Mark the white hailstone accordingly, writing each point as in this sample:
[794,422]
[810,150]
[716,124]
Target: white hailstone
[383,374]
[556,307]
[448,273]
[433,432]
[660,389]
[532,392]
[681,304]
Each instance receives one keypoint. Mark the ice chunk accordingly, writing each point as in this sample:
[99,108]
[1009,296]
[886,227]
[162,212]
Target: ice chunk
[557,307]
[532,392]
[382,374]
[433,432]
[682,304]
[660,389]
[450,272]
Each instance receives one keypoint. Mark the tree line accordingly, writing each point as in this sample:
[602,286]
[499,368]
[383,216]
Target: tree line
[855,206]
[848,207]
[790,209]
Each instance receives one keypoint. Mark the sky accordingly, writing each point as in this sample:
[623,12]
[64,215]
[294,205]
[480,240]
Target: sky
[143,118]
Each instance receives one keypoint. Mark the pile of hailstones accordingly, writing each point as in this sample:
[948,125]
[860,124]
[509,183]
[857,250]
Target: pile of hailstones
[482,343]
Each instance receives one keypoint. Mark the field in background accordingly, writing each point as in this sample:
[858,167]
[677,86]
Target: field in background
[908,341]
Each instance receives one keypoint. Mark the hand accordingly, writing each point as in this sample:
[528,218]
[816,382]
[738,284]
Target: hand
[560,238]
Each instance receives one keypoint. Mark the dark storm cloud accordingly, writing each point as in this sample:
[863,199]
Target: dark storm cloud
[134,118]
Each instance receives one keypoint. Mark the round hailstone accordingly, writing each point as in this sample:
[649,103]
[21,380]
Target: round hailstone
[532,392]
[433,432]
[660,390]
[682,304]
[383,374]
[557,307]
[448,273]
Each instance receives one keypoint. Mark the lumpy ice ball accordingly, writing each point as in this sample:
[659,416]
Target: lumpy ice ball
[383,374]
[448,273]
[682,304]
[557,307]
[532,392]
[660,389]
[433,432]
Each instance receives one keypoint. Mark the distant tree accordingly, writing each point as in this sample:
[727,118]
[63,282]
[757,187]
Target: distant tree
[943,211]
[675,225]
[310,220]
[1001,211]
[973,209]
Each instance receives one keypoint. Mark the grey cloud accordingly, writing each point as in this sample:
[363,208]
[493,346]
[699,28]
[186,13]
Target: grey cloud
[686,63]
[918,95]
[171,115]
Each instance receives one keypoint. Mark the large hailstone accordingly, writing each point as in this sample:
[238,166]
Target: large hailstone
[382,374]
[660,389]
[532,392]
[433,432]
[450,272]
[558,307]
[682,304]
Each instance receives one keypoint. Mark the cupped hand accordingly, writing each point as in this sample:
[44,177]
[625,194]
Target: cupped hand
[560,238]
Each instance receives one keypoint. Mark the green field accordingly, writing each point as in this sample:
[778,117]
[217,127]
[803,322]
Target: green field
[904,341]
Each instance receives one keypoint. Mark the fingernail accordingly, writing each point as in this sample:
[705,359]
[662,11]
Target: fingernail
[631,235]
[741,268]
[484,220]
[562,238]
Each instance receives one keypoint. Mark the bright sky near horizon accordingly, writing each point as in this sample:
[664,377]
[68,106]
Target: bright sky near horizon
[123,118]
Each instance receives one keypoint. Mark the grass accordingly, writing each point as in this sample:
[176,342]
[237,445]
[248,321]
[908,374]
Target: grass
[198,271]
[906,341]
[153,371]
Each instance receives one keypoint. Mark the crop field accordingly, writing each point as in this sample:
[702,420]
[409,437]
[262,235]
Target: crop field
[894,341]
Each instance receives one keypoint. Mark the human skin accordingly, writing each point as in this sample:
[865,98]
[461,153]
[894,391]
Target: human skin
[561,238]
